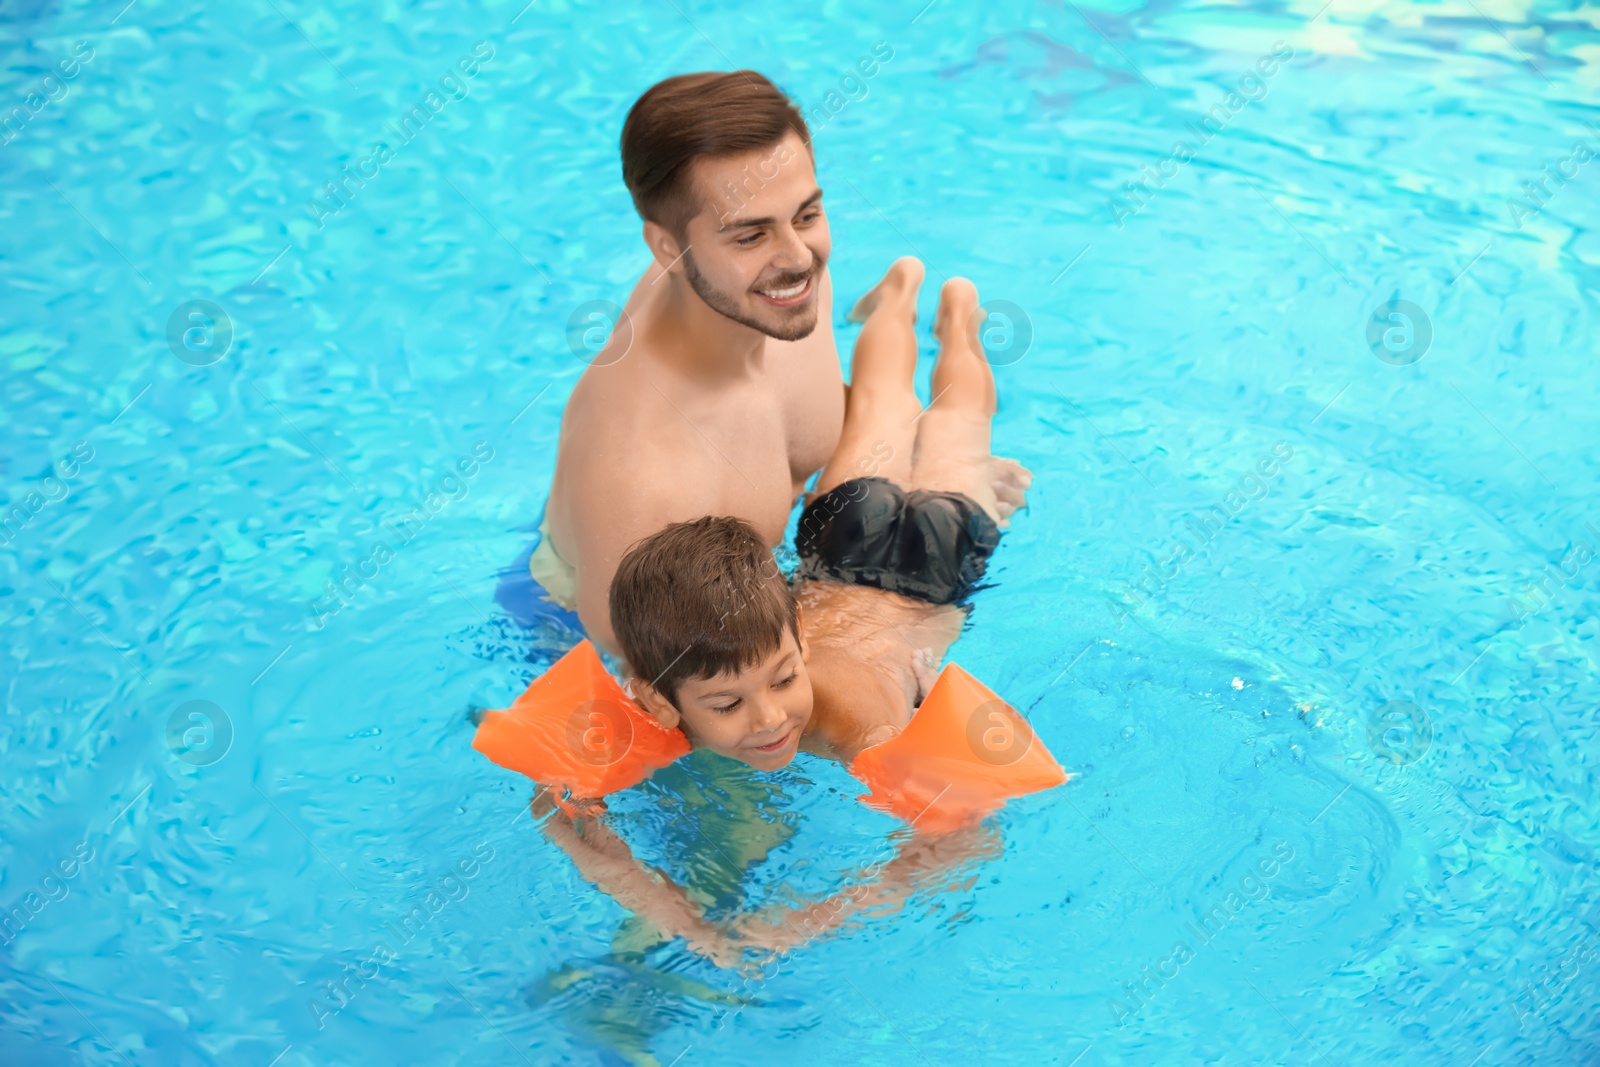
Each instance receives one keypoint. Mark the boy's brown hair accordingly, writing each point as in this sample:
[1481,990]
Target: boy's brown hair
[683,118]
[699,599]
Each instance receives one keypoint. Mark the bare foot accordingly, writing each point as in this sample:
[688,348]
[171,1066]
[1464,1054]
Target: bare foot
[904,276]
[1011,481]
[958,300]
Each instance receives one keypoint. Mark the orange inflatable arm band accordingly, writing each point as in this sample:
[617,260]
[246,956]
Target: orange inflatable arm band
[576,727]
[963,755]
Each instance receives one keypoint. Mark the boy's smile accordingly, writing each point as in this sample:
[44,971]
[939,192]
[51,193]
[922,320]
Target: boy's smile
[775,745]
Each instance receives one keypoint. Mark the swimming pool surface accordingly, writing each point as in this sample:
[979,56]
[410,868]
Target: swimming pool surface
[1334,794]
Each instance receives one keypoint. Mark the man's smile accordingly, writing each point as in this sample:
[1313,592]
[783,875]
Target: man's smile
[788,296]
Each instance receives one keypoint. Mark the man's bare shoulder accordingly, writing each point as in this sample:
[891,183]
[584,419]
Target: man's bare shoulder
[622,422]
[633,462]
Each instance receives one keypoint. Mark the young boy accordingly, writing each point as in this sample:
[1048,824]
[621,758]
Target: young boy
[720,645]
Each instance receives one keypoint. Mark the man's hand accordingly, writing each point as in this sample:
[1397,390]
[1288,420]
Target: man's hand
[1010,480]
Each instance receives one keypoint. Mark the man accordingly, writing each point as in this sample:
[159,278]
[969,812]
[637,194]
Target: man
[720,396]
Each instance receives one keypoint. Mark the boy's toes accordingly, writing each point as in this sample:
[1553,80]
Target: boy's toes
[908,271]
[958,301]
[960,290]
[901,281]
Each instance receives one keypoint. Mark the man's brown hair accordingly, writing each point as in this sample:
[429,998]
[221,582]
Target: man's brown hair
[683,118]
[699,599]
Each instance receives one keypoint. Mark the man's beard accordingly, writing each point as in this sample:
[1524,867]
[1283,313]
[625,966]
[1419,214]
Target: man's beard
[783,328]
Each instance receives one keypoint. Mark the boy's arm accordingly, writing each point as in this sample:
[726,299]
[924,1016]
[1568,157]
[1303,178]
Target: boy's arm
[604,859]
[888,887]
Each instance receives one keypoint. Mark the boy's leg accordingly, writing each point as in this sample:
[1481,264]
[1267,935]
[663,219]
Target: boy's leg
[880,417]
[952,444]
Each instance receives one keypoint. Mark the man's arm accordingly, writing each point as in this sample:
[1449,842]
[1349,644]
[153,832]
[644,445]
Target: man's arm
[615,511]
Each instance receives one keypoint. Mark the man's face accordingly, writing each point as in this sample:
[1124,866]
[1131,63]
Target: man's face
[755,716]
[757,248]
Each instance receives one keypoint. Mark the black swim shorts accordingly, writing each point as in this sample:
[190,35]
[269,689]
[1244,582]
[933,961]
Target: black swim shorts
[868,531]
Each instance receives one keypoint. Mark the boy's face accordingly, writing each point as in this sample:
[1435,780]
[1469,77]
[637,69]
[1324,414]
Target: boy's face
[755,716]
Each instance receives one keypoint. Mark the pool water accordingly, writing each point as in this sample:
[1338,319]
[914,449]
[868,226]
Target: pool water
[1332,728]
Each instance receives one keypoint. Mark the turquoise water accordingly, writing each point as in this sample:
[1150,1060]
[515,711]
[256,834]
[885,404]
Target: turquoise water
[1352,683]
